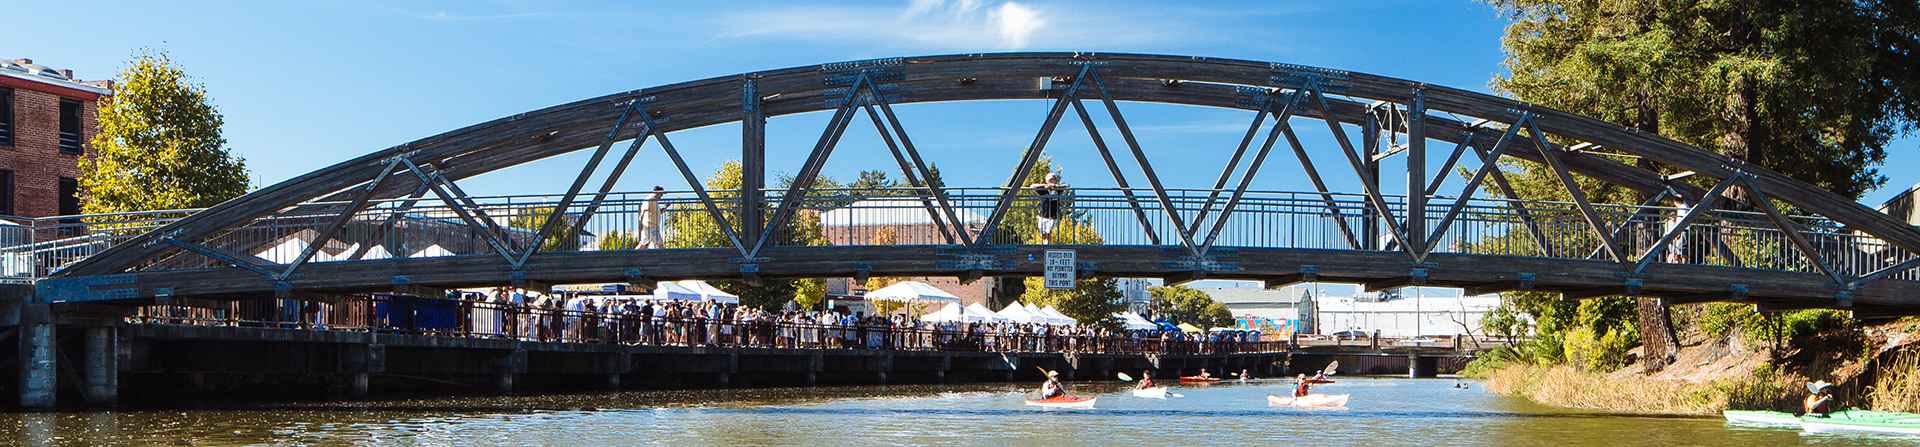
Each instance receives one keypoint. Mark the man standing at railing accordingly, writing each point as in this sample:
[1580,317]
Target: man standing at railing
[1049,215]
[650,211]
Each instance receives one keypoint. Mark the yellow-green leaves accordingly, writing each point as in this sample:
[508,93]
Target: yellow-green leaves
[159,145]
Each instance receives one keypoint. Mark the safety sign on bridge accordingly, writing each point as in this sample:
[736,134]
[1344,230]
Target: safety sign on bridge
[1060,269]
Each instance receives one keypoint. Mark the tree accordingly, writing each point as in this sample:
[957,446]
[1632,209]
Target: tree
[1091,301]
[695,228]
[1812,89]
[619,240]
[159,145]
[1179,304]
[557,241]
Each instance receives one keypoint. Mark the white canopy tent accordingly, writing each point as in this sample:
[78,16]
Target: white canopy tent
[285,252]
[1063,318]
[1018,314]
[432,251]
[377,252]
[674,291]
[708,292]
[1135,322]
[912,291]
[985,314]
[953,313]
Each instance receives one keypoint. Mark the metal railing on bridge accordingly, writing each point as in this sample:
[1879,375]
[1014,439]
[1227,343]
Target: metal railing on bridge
[507,225]
[480,319]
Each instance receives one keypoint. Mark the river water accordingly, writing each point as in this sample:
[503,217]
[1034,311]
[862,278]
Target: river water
[1382,412]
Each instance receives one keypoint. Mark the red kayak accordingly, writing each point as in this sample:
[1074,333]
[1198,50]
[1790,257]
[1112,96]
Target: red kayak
[1063,402]
[1199,379]
[1319,381]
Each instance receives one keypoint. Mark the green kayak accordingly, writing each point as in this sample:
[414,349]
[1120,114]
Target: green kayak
[1863,421]
[1749,417]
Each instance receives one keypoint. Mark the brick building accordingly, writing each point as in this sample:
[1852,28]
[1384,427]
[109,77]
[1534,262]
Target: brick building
[47,122]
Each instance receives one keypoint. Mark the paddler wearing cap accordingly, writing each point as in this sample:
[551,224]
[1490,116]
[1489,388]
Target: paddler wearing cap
[1052,388]
[1820,402]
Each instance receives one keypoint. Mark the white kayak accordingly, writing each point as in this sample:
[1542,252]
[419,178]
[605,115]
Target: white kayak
[1063,402]
[1158,392]
[1310,400]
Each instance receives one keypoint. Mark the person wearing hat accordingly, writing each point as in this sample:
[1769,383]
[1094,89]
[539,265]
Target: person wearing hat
[650,211]
[1052,388]
[1820,402]
[1302,387]
[1049,213]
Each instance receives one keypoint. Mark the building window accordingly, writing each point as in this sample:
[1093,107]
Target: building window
[69,206]
[69,127]
[6,116]
[6,193]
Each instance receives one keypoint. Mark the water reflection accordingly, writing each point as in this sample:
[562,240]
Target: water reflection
[1382,412]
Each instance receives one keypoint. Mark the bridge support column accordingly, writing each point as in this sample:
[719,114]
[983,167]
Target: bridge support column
[613,382]
[725,379]
[357,385]
[37,374]
[503,382]
[880,377]
[1422,367]
[813,378]
[103,366]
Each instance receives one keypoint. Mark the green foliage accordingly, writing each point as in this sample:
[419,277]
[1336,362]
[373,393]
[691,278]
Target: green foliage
[1179,304]
[159,145]
[697,229]
[1092,301]
[1597,351]
[1814,89]
[619,240]
[1073,227]
[557,241]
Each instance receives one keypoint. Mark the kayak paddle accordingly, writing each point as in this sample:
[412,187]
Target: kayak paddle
[1125,378]
[1332,368]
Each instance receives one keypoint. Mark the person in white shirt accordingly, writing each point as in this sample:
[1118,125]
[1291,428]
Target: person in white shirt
[650,211]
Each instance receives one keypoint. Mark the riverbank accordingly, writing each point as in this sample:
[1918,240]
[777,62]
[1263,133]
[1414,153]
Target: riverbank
[1869,363]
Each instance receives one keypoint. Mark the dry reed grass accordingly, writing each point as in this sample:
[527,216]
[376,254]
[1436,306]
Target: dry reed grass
[1897,385]
[1567,386]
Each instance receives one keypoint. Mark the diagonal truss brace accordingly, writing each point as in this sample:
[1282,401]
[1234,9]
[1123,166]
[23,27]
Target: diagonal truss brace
[1326,197]
[1374,198]
[222,257]
[822,150]
[439,187]
[1489,164]
[1707,202]
[1119,178]
[320,240]
[1882,273]
[573,192]
[1140,156]
[1259,158]
[1594,222]
[1646,210]
[1792,231]
[910,163]
[1028,159]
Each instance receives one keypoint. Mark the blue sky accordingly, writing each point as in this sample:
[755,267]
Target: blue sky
[304,84]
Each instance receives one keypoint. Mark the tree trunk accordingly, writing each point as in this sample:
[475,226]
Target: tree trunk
[1657,341]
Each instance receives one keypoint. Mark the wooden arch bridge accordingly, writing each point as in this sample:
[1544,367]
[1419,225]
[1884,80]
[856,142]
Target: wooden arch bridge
[397,221]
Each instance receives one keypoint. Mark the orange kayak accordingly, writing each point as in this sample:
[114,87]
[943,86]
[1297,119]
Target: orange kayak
[1199,379]
[1063,402]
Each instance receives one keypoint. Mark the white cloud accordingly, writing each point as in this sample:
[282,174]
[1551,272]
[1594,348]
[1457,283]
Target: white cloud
[1017,23]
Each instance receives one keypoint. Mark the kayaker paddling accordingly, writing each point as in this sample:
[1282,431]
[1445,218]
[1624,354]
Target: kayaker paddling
[1052,388]
[1820,402]
[1146,379]
[1303,387]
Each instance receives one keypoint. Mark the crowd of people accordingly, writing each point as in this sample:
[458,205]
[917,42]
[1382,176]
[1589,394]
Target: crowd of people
[525,315]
